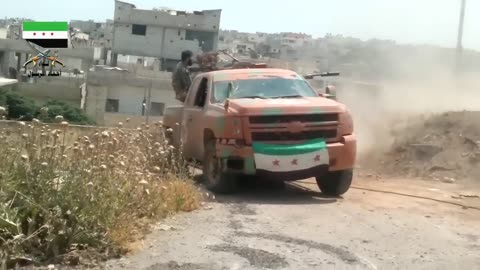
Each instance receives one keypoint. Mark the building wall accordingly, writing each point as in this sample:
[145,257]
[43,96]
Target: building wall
[257,37]
[168,33]
[131,97]
[130,91]
[3,33]
[127,13]
[7,60]
[58,88]
[86,26]
[173,41]
[95,105]
[293,42]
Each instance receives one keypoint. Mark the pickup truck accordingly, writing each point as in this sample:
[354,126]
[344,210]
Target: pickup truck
[263,122]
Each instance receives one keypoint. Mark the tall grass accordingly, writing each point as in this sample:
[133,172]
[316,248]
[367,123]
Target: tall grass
[61,194]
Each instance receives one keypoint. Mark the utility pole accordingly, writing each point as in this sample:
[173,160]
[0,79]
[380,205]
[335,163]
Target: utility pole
[460,35]
[148,102]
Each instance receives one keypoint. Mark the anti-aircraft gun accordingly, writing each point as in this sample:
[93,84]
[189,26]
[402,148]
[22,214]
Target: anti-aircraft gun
[210,61]
[330,91]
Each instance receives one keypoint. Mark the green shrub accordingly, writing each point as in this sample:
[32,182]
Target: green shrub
[23,108]
[69,112]
[19,107]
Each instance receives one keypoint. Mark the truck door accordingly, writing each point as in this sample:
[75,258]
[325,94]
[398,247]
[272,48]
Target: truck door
[194,111]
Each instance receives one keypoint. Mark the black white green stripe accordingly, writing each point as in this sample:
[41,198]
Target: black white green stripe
[290,158]
[46,34]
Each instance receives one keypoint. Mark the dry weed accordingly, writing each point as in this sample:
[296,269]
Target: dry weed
[59,194]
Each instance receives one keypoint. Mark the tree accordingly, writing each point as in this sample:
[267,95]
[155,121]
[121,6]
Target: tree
[19,107]
[69,112]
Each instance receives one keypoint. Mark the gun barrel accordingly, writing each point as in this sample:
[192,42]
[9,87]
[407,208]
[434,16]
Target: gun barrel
[229,55]
[323,74]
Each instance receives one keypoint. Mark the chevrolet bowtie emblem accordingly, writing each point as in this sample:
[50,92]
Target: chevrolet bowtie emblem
[295,127]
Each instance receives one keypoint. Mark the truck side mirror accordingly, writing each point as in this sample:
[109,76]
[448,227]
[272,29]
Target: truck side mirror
[328,96]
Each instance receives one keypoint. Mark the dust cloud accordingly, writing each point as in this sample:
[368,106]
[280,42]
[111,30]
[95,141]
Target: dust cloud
[417,88]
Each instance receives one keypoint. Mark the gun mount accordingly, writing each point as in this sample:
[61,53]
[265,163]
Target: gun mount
[210,61]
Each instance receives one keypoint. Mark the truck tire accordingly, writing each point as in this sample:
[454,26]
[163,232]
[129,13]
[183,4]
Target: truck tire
[335,183]
[215,180]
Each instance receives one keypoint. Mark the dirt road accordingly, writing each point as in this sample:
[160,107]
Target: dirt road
[297,228]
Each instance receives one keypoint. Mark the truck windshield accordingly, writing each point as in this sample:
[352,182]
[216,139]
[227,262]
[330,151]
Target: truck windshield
[262,87]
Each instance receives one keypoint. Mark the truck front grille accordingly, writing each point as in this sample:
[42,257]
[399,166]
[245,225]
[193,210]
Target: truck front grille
[288,136]
[272,128]
[304,118]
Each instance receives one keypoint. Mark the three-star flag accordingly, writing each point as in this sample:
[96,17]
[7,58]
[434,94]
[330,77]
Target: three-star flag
[288,158]
[46,34]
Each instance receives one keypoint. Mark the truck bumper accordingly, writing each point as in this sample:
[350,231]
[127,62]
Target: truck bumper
[240,159]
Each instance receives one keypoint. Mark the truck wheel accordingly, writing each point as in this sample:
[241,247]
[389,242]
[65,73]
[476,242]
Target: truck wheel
[335,183]
[216,180]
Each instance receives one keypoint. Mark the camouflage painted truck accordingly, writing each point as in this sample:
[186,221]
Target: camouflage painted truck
[264,122]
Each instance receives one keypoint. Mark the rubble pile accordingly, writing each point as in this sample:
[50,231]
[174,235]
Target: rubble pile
[443,147]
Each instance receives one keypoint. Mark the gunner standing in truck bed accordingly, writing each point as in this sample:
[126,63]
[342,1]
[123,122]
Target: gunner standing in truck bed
[181,79]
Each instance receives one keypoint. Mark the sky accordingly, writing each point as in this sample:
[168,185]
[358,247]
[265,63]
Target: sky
[432,22]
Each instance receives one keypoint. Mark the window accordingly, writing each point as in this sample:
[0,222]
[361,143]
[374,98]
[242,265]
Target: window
[201,93]
[262,87]
[157,108]
[139,29]
[111,105]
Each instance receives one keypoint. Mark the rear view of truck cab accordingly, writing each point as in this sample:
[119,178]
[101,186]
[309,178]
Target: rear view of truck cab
[267,122]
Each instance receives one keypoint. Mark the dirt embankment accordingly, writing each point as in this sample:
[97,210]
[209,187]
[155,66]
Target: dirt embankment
[425,128]
[443,147]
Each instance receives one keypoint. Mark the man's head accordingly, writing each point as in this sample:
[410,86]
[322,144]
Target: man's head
[187,57]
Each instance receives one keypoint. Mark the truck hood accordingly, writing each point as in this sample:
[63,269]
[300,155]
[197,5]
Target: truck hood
[305,105]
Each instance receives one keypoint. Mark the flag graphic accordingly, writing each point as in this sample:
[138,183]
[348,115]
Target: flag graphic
[46,34]
[291,158]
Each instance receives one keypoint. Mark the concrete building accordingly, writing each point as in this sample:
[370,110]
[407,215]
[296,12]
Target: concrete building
[113,95]
[99,34]
[296,40]
[3,33]
[85,26]
[80,40]
[162,34]
[242,47]
[109,95]
[257,37]
[13,31]
[275,45]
